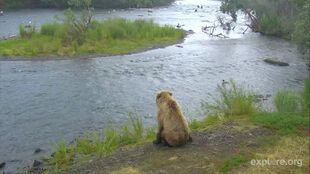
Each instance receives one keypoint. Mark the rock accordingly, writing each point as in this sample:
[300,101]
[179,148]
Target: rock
[53,154]
[36,163]
[276,62]
[38,150]
[190,32]
[179,46]
[2,165]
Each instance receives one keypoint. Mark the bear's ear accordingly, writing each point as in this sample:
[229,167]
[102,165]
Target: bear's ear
[158,96]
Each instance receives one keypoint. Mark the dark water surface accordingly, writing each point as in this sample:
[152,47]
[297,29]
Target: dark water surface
[42,102]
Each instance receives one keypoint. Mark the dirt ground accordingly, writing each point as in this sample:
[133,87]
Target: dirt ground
[203,155]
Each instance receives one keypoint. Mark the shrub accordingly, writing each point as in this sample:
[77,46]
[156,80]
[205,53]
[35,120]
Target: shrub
[27,31]
[233,100]
[51,29]
[287,101]
[270,25]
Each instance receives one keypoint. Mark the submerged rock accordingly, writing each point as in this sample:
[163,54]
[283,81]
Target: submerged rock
[36,163]
[276,62]
[2,165]
[190,32]
[38,150]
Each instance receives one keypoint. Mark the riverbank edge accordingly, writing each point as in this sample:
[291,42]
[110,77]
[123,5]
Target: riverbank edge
[249,138]
[90,56]
[221,128]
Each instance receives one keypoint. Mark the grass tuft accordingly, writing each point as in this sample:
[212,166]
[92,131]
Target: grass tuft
[207,123]
[63,156]
[287,101]
[102,143]
[234,100]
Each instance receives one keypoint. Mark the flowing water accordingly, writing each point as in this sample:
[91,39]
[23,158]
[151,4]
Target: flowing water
[42,102]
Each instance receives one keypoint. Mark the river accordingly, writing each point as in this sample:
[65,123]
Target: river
[45,101]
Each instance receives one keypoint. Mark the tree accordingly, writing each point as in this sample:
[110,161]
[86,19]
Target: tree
[77,25]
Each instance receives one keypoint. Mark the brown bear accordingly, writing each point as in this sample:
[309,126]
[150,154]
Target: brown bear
[173,128]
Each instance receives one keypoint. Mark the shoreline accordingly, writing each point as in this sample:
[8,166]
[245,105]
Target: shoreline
[91,56]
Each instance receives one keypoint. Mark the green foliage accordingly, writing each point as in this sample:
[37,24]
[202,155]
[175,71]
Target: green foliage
[208,122]
[114,36]
[63,156]
[306,98]
[270,25]
[287,101]
[233,100]
[285,18]
[284,123]
[77,25]
[102,143]
[53,30]
[232,162]
[301,33]
[27,31]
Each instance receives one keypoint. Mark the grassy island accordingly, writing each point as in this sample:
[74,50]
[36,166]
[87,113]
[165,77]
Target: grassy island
[110,37]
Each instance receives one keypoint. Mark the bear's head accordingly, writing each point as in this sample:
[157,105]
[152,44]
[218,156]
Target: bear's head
[163,96]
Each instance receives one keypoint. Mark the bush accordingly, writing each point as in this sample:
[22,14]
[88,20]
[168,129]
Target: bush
[301,33]
[27,31]
[270,25]
[289,19]
[287,101]
[233,100]
[52,29]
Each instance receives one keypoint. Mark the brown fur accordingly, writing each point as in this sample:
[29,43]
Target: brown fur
[173,128]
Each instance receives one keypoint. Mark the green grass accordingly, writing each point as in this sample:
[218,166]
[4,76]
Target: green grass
[62,156]
[233,100]
[287,101]
[306,97]
[284,123]
[110,37]
[232,162]
[207,123]
[101,143]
